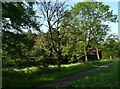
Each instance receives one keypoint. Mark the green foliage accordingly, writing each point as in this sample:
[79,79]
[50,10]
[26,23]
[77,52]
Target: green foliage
[73,35]
[86,25]
[24,18]
[15,47]
[111,48]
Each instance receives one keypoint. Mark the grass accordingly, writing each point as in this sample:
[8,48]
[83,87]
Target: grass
[106,78]
[33,76]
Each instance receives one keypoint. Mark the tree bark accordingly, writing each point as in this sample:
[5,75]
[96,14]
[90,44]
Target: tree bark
[58,61]
[86,55]
[110,57]
[97,52]
[85,52]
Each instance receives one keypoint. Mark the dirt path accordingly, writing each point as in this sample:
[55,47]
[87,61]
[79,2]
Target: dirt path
[71,78]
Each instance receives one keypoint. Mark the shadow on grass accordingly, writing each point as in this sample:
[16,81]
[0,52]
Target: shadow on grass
[12,78]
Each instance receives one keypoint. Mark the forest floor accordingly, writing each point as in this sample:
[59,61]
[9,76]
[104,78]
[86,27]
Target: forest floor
[67,80]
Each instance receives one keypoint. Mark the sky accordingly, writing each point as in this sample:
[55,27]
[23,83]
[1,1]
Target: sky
[113,6]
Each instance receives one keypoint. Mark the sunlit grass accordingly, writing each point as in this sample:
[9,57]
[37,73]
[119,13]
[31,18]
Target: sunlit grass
[34,76]
[105,78]
[67,65]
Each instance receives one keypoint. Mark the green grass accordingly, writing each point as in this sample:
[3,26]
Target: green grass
[106,78]
[33,76]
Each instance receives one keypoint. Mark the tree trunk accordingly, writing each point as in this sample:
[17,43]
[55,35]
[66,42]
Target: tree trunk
[97,52]
[85,51]
[110,57]
[86,55]
[58,61]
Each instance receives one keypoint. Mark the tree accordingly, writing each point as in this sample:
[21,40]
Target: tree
[24,18]
[111,48]
[90,15]
[98,38]
[53,13]
[17,16]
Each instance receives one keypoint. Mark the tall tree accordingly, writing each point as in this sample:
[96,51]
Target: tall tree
[53,13]
[90,14]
